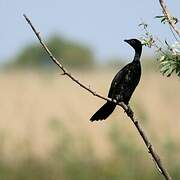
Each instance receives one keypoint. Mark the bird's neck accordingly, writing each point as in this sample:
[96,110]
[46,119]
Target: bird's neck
[137,55]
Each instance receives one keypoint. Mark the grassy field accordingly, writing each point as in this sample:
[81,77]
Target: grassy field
[45,132]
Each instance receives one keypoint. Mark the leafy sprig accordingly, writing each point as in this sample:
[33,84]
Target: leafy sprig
[168,54]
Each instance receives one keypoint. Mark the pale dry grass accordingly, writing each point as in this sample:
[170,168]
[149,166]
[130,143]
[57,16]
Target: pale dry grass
[29,101]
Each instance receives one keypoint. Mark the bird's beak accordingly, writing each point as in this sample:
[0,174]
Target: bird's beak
[126,41]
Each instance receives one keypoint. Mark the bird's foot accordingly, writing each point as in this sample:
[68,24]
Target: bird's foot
[129,111]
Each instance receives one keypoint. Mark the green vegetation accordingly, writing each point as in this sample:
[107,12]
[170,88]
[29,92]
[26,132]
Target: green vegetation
[67,161]
[74,55]
[168,54]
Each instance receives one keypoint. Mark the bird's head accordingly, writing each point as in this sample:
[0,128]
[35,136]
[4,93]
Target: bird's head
[135,43]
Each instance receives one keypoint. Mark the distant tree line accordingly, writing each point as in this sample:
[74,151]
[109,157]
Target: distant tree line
[75,55]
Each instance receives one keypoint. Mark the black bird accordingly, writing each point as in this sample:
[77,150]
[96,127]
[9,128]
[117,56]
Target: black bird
[123,84]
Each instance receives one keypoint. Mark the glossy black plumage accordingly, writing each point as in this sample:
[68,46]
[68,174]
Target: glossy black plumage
[123,84]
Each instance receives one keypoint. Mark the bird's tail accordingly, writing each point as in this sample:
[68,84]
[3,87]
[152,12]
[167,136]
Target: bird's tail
[104,111]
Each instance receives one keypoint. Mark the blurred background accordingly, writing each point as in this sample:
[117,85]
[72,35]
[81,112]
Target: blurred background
[45,132]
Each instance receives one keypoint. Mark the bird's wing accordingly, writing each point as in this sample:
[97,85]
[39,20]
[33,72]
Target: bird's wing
[119,78]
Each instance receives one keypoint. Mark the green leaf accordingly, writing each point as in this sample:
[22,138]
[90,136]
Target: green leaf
[162,58]
[175,19]
[159,17]
[163,20]
[167,44]
[163,69]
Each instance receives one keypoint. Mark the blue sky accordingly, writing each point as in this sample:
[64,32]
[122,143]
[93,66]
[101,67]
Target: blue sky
[101,24]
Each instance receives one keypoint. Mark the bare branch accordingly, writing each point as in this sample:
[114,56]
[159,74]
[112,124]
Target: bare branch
[126,108]
[169,17]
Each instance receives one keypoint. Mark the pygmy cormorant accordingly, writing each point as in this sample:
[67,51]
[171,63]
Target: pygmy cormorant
[123,84]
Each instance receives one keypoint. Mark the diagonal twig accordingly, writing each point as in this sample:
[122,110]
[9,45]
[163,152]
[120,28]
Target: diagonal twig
[126,108]
[168,17]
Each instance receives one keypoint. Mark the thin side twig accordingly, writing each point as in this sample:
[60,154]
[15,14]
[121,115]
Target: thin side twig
[168,17]
[126,108]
